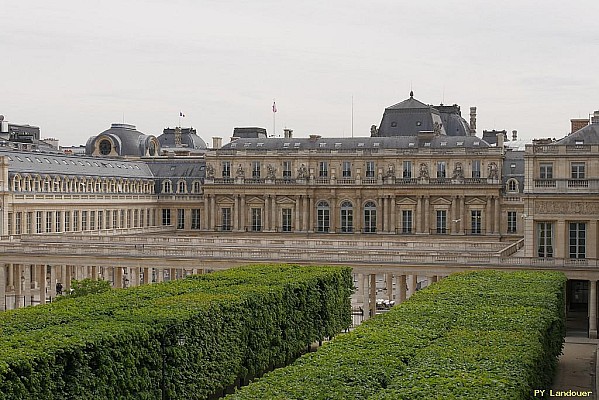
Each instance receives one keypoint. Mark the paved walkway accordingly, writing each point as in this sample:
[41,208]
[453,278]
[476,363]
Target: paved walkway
[577,369]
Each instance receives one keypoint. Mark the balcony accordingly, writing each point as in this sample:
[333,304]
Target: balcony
[566,186]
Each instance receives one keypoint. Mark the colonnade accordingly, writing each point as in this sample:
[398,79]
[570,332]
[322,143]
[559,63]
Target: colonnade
[22,285]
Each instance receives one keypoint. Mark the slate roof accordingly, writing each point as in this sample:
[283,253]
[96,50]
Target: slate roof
[189,139]
[74,165]
[587,135]
[177,168]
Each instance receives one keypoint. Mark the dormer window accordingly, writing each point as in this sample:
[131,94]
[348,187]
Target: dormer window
[579,142]
[460,143]
[233,144]
[443,143]
[296,145]
[360,144]
[247,144]
[476,143]
[260,144]
[285,145]
[323,144]
[337,145]
[427,144]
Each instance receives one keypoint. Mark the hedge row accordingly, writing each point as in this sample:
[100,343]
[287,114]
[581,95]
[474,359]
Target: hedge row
[190,338]
[480,335]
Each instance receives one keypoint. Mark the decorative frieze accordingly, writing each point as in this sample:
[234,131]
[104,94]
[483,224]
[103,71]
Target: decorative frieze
[566,207]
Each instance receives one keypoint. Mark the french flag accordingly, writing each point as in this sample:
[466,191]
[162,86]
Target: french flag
[181,114]
[274,107]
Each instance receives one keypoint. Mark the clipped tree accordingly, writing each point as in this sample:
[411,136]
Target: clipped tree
[88,286]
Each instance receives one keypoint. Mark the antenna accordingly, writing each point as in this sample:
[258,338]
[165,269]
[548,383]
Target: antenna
[352,115]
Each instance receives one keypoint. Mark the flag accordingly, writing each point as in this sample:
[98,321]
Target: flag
[181,114]
[274,107]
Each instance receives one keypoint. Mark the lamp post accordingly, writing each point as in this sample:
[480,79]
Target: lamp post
[180,342]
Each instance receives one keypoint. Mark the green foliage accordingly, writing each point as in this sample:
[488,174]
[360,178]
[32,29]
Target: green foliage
[479,335]
[88,286]
[200,334]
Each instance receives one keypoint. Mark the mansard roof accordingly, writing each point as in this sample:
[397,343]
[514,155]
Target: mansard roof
[587,135]
[61,164]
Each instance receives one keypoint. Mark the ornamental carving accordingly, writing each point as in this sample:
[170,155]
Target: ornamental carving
[423,171]
[566,207]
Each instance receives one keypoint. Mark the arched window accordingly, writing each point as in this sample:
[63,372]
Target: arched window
[181,187]
[512,185]
[370,217]
[322,216]
[167,187]
[347,217]
[196,187]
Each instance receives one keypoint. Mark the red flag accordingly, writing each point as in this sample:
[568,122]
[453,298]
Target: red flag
[274,107]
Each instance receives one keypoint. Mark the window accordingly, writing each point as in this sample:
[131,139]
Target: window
[476,222]
[511,222]
[346,169]
[577,240]
[406,221]
[286,169]
[18,222]
[226,219]
[38,222]
[370,169]
[286,219]
[83,220]
[115,217]
[545,239]
[546,171]
[167,187]
[166,216]
[181,187]
[512,185]
[441,221]
[28,222]
[407,169]
[226,172]
[441,169]
[123,218]
[347,219]
[256,169]
[195,218]
[196,187]
[100,220]
[180,218]
[256,220]
[92,220]
[322,217]
[476,169]
[76,220]
[323,169]
[577,170]
[370,217]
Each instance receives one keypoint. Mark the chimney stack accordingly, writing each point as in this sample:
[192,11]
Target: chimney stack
[217,142]
[595,118]
[473,120]
[577,124]
[288,133]
[514,135]
[500,138]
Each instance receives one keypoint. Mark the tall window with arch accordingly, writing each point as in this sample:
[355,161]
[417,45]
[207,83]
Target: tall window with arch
[370,217]
[347,217]
[323,219]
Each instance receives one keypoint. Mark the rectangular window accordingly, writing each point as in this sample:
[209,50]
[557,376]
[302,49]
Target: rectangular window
[407,170]
[38,222]
[180,218]
[135,218]
[441,169]
[226,219]
[323,169]
[441,221]
[370,167]
[545,239]
[9,222]
[115,219]
[142,215]
[476,222]
[92,220]
[226,169]
[578,170]
[347,219]
[546,171]
[29,222]
[18,222]
[476,169]
[286,219]
[107,223]
[67,221]
[578,238]
[58,221]
[256,169]
[195,218]
[166,216]
[286,169]
[323,220]
[76,220]
[129,218]
[49,215]
[512,222]
[123,219]
[406,221]
[346,169]
[83,220]
[100,219]
[256,219]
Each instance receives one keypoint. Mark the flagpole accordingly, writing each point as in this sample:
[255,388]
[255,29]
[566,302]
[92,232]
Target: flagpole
[274,117]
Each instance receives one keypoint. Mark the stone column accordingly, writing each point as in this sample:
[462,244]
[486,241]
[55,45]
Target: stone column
[3,287]
[206,216]
[27,284]
[242,223]
[497,225]
[236,214]
[273,213]
[18,283]
[147,275]
[427,214]
[159,275]
[488,216]
[311,213]
[212,212]
[393,210]
[360,289]
[305,211]
[266,214]
[333,217]
[296,225]
[118,277]
[372,295]
[454,215]
[42,283]
[418,215]
[461,215]
[593,310]
[412,284]
[389,283]
[401,289]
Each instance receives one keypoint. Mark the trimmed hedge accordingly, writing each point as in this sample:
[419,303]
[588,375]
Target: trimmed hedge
[126,343]
[478,335]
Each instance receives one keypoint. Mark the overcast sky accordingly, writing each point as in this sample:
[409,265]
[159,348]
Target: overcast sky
[74,67]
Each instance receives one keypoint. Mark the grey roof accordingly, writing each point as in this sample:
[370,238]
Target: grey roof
[56,164]
[177,167]
[189,139]
[513,167]
[249,132]
[587,135]
[128,141]
[361,143]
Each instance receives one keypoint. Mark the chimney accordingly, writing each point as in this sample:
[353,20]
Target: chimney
[500,138]
[577,124]
[217,142]
[314,138]
[288,133]
[514,135]
[473,120]
[595,118]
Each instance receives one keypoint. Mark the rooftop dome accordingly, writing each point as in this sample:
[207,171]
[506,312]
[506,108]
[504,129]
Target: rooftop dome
[181,137]
[122,140]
